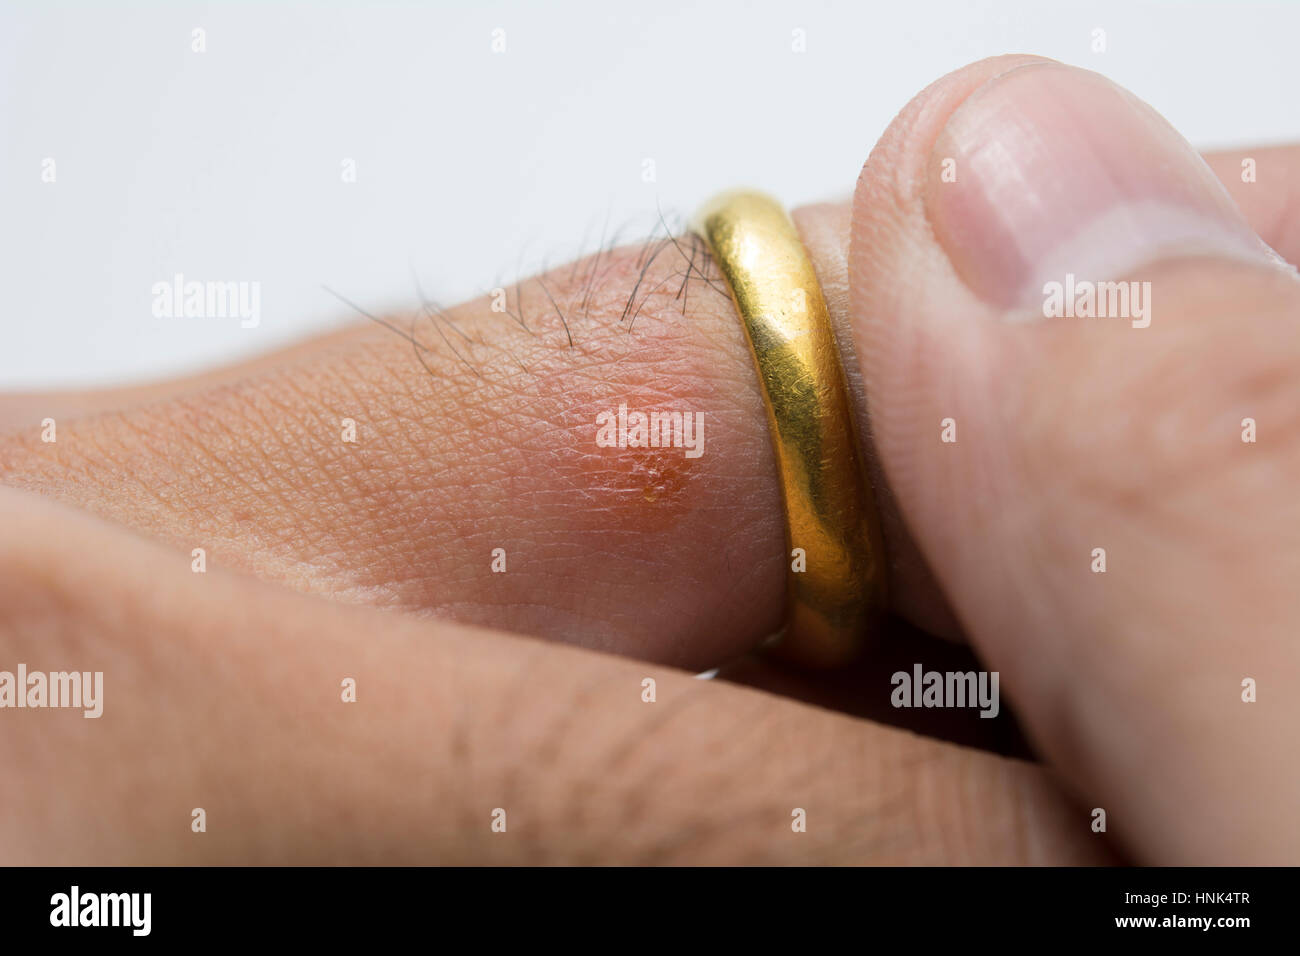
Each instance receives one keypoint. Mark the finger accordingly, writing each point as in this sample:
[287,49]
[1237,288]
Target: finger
[222,694]
[19,410]
[448,462]
[1078,434]
[1264,181]
[914,595]
[475,487]
[1261,179]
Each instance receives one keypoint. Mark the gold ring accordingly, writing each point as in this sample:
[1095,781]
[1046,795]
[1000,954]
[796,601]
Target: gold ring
[835,584]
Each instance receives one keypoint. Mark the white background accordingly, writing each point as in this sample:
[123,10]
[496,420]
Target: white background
[475,167]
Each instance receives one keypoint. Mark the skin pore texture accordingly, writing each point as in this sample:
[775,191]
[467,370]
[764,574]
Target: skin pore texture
[372,560]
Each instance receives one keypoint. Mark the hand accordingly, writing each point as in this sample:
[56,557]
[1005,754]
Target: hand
[475,432]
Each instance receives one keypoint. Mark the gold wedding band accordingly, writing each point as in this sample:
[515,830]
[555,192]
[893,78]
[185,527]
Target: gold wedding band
[835,582]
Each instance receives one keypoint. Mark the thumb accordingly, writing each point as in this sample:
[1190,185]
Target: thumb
[1084,374]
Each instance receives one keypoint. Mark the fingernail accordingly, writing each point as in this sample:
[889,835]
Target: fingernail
[1049,172]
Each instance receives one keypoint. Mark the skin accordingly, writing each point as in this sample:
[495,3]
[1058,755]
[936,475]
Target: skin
[371,560]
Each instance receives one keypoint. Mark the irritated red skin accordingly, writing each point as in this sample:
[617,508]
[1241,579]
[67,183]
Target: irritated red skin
[485,439]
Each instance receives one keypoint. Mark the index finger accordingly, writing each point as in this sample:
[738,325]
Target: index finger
[313,734]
